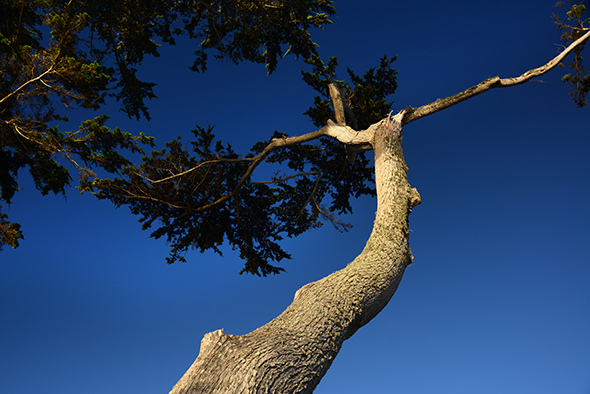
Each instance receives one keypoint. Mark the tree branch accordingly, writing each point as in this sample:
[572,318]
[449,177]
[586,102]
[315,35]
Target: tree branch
[490,83]
[194,169]
[286,178]
[311,196]
[342,133]
[30,81]
[338,105]
[361,140]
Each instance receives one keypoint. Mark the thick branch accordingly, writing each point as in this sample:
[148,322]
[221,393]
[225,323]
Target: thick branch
[338,106]
[490,83]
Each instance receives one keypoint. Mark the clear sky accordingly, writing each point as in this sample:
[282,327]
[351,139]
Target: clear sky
[497,300]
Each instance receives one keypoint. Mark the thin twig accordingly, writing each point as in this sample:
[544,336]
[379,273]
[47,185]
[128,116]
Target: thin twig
[196,168]
[288,177]
[311,196]
[30,81]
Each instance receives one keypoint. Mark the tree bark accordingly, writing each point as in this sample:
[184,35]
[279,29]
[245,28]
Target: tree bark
[292,353]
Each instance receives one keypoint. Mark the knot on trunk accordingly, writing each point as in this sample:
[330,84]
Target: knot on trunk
[415,198]
[212,341]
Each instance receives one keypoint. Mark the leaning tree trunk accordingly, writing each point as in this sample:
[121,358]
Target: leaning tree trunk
[292,353]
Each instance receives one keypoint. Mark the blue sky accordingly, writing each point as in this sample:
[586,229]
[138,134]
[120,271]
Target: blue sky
[497,300]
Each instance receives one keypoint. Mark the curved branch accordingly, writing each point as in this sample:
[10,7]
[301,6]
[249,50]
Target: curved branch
[194,169]
[490,83]
[30,81]
[311,196]
[274,144]
[342,133]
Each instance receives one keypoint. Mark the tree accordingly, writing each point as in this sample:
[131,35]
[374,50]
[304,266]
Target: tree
[397,206]
[293,352]
[92,52]
[203,201]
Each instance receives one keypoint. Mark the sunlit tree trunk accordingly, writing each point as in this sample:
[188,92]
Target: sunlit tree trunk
[292,353]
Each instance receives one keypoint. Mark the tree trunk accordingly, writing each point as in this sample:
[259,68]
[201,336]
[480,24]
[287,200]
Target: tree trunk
[292,353]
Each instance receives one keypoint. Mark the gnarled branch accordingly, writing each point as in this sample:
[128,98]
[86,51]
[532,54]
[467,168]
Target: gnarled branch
[490,83]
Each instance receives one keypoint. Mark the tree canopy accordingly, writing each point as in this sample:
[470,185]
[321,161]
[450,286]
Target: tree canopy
[58,55]
[201,194]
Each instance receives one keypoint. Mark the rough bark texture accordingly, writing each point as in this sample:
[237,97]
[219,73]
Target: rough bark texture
[292,353]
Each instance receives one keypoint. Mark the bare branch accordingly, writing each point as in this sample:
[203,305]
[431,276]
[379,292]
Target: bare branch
[490,83]
[338,105]
[22,134]
[339,225]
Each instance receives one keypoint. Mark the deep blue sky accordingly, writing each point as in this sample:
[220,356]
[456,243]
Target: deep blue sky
[497,300]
